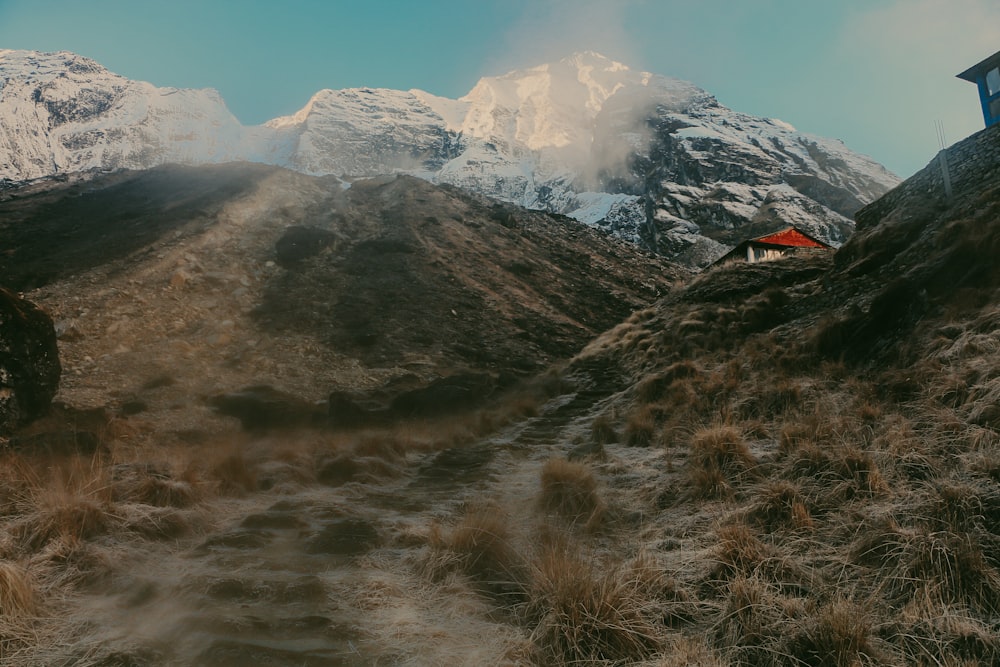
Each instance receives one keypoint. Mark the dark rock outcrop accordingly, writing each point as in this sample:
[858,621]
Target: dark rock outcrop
[262,407]
[348,410]
[445,395]
[29,361]
[299,243]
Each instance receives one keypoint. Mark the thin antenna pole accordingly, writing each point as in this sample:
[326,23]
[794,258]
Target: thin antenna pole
[939,129]
[943,159]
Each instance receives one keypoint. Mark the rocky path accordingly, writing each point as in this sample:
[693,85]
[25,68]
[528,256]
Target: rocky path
[313,575]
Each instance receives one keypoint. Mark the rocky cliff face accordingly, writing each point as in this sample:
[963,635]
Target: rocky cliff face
[29,361]
[652,159]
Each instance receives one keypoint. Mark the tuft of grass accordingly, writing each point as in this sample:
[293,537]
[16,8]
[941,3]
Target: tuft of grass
[71,499]
[18,592]
[156,523]
[641,427]
[752,620]
[941,565]
[739,553]
[151,484]
[62,515]
[234,474]
[165,492]
[955,506]
[68,562]
[772,400]
[586,611]
[570,489]
[838,471]
[765,311]
[654,387]
[684,651]
[951,633]
[719,455]
[602,431]
[780,504]
[840,633]
[484,550]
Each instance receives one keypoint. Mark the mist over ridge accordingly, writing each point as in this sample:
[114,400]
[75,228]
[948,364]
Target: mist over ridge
[652,159]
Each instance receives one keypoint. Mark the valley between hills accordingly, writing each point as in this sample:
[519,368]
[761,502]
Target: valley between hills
[400,424]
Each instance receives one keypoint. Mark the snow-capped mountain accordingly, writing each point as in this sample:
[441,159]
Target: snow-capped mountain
[62,113]
[651,158]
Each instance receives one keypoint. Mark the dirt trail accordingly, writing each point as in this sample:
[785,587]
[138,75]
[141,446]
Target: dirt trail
[324,575]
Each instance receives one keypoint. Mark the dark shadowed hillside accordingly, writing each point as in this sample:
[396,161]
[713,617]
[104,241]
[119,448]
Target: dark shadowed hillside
[413,271]
[228,276]
[61,228]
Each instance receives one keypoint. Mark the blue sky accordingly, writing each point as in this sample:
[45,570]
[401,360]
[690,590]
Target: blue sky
[876,74]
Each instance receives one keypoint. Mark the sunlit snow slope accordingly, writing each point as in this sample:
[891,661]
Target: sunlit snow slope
[651,158]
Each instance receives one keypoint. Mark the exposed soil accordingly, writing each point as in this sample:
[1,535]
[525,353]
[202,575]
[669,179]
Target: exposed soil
[435,275]
[175,295]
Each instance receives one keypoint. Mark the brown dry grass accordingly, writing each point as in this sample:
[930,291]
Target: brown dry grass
[840,633]
[753,619]
[18,591]
[585,611]
[481,546]
[571,490]
[781,504]
[602,431]
[20,604]
[684,651]
[640,427]
[72,500]
[720,459]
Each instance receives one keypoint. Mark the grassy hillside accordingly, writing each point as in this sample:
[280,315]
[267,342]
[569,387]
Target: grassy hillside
[793,463]
[808,456]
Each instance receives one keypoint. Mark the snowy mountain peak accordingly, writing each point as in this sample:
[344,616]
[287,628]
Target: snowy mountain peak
[593,60]
[649,157]
[550,106]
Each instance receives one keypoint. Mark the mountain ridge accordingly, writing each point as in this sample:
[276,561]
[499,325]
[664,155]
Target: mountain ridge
[643,155]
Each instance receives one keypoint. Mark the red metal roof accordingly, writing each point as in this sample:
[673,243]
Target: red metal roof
[791,237]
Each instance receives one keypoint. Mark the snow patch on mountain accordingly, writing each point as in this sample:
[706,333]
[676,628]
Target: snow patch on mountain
[61,112]
[650,158]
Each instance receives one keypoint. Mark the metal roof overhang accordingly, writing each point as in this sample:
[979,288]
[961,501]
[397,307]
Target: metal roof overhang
[987,64]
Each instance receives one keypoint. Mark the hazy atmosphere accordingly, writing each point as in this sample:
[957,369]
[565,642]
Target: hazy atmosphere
[523,333]
[876,74]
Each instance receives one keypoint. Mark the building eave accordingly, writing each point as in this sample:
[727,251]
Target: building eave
[759,240]
[972,74]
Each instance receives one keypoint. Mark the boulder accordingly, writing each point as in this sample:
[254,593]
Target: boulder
[347,410]
[262,408]
[299,243]
[29,361]
[446,395]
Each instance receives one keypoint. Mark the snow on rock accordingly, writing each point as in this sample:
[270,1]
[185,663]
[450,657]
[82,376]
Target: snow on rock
[653,159]
[61,112]
[365,131]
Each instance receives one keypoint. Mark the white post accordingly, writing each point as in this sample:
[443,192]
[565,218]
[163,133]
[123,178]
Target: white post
[945,173]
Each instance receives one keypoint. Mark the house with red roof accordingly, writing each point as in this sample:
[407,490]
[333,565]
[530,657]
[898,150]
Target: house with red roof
[788,241]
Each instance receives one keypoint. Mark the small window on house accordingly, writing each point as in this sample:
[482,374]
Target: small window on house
[993,81]
[995,109]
